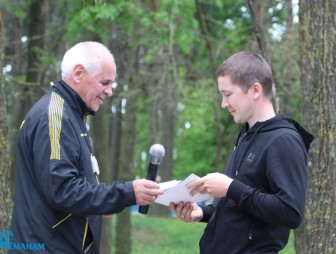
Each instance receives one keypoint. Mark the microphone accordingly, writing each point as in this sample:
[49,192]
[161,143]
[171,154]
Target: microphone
[156,153]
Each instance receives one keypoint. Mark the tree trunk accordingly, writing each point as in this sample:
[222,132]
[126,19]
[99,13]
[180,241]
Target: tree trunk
[318,79]
[258,9]
[163,112]
[168,95]
[16,121]
[217,118]
[27,93]
[32,90]
[100,135]
[289,58]
[128,106]
[5,196]
[123,228]
[115,139]
[159,92]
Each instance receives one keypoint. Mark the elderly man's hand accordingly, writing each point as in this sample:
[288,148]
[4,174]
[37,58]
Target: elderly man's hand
[146,191]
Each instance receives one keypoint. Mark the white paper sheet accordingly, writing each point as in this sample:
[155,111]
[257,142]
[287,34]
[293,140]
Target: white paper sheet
[176,191]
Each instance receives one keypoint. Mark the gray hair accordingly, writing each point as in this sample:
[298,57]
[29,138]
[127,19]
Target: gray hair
[88,53]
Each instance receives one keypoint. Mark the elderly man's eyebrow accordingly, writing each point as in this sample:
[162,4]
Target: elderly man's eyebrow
[106,82]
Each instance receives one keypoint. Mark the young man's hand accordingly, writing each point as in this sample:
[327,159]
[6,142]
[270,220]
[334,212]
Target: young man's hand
[214,184]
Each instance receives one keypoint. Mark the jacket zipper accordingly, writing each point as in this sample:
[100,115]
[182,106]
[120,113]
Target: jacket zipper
[85,232]
[250,237]
[66,217]
[61,221]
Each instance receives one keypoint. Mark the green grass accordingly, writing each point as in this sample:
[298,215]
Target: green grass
[164,235]
[289,249]
[171,236]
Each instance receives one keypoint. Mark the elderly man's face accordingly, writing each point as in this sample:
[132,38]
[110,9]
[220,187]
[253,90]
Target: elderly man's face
[94,89]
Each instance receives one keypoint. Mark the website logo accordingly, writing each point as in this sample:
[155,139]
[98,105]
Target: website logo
[7,242]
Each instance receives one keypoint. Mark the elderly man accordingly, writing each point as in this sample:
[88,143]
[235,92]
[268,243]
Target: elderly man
[58,200]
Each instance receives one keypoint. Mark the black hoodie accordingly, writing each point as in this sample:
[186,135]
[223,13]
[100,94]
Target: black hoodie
[267,197]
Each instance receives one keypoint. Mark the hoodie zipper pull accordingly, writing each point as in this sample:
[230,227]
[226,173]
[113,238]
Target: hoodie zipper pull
[239,141]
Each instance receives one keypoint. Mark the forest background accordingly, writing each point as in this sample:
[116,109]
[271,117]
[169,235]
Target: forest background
[167,52]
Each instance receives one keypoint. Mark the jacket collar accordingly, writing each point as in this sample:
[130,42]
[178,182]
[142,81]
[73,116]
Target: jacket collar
[73,99]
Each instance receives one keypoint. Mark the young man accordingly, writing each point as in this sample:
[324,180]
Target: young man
[58,199]
[263,191]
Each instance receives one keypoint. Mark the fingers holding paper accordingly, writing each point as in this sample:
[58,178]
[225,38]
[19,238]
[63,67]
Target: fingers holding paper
[214,184]
[187,212]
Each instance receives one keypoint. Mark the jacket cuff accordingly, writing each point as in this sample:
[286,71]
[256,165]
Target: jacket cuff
[130,193]
[207,212]
[235,190]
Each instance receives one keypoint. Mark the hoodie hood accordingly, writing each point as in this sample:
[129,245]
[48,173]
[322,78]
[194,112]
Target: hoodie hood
[282,121]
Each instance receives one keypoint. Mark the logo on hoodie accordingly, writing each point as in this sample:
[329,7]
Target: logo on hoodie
[250,157]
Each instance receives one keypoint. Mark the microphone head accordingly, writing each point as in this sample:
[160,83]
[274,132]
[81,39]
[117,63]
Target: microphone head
[156,153]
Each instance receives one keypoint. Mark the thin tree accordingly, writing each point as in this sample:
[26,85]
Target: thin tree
[100,134]
[123,228]
[31,90]
[318,81]
[257,10]
[5,197]
[219,127]
[164,94]
[129,67]
[27,91]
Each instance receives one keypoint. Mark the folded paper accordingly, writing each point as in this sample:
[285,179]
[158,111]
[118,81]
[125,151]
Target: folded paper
[175,191]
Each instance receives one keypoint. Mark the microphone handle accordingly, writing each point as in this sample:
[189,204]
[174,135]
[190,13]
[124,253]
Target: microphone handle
[151,175]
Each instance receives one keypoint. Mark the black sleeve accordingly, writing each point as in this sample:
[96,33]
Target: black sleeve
[207,212]
[56,168]
[287,177]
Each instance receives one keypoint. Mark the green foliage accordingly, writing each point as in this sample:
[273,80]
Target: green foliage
[144,30]
[173,26]
[94,17]
[229,25]
[194,141]
[16,8]
[230,30]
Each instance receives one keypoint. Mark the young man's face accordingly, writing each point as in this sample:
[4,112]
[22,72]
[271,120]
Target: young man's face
[238,103]
[94,89]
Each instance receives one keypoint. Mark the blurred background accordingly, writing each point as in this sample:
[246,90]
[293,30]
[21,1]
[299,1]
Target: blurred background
[167,53]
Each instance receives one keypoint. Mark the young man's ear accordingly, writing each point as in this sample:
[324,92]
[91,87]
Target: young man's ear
[256,90]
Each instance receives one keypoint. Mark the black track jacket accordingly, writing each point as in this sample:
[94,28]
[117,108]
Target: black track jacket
[58,200]
[267,197]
